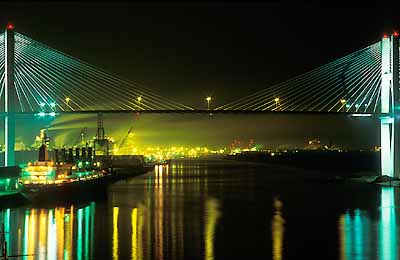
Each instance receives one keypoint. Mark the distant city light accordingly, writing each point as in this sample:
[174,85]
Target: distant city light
[53,104]
[52,114]
[139,98]
[276,100]
[41,114]
[343,101]
[42,104]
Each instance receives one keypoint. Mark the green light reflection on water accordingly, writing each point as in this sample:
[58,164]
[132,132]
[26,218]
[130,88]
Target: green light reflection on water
[388,237]
[79,237]
[87,229]
[7,228]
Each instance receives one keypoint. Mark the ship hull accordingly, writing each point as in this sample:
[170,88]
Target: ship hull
[89,190]
[79,190]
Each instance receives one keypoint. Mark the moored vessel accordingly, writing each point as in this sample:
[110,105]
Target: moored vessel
[63,178]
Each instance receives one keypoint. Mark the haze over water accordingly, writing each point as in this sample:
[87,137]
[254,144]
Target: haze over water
[215,210]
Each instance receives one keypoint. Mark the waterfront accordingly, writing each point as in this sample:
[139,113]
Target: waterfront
[214,210]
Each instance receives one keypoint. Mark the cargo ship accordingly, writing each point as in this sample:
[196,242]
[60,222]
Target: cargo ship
[68,177]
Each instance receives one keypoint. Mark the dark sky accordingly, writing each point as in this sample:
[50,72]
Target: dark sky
[188,51]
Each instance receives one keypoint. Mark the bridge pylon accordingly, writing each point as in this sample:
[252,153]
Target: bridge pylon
[10,101]
[390,107]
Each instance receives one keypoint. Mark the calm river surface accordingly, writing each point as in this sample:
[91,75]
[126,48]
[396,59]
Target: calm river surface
[215,210]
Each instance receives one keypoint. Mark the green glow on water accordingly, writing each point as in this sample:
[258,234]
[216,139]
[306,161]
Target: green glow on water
[92,210]
[79,236]
[26,226]
[388,237]
[348,235]
[358,230]
[87,229]
[7,228]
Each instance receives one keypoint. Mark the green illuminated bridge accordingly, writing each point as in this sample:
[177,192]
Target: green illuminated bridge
[36,79]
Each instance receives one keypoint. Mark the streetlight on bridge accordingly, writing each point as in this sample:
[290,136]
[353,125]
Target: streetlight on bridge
[343,102]
[139,99]
[276,102]
[208,102]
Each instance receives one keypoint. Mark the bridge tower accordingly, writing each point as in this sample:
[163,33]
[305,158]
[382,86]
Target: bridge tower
[390,107]
[10,101]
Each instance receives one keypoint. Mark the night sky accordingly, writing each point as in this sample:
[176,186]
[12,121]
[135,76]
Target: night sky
[189,51]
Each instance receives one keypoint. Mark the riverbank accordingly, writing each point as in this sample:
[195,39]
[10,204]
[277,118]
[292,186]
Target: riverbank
[324,166]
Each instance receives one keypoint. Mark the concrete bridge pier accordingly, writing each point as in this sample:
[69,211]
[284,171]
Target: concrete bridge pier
[390,107]
[10,101]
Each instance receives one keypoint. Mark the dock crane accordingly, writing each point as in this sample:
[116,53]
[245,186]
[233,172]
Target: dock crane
[125,137]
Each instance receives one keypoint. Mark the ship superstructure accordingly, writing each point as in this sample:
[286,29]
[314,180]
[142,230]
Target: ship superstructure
[65,167]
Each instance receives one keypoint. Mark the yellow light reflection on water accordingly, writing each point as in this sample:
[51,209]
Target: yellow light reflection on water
[159,215]
[42,231]
[212,215]
[115,233]
[137,232]
[134,234]
[51,237]
[48,233]
[278,228]
[31,231]
[342,236]
[69,227]
[59,215]
[26,227]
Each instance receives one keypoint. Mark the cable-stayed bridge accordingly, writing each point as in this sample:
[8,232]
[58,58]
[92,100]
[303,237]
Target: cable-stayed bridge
[45,77]
[34,76]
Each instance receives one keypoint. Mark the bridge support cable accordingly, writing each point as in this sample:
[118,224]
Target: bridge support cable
[293,83]
[319,95]
[44,76]
[321,89]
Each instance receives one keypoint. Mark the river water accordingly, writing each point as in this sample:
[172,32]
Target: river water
[214,210]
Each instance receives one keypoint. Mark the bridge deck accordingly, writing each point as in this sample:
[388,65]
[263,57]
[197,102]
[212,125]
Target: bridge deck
[348,114]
